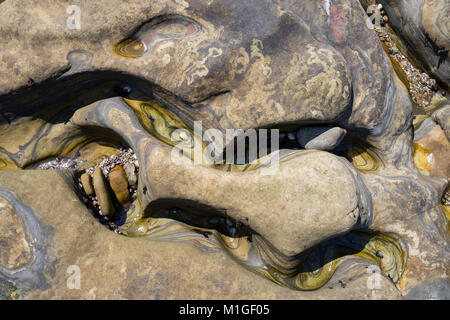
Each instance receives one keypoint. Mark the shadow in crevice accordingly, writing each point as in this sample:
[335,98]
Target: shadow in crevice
[333,249]
[200,215]
[56,99]
[197,214]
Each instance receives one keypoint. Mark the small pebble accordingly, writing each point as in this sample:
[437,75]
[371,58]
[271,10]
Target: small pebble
[119,184]
[320,137]
[86,183]
[101,190]
[130,171]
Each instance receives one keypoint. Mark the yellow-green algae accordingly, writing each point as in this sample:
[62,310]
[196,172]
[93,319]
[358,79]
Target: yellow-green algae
[253,251]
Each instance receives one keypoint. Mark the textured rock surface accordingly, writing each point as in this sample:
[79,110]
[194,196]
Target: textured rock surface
[309,63]
[117,267]
[15,249]
[423,25]
[442,117]
[235,77]
[294,208]
[321,138]
[437,149]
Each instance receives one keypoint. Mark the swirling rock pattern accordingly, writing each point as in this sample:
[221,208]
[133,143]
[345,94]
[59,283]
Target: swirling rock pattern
[24,244]
[141,78]
[442,117]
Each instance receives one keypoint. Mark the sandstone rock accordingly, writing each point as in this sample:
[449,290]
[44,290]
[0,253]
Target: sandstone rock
[432,153]
[297,199]
[102,192]
[321,138]
[130,171]
[322,65]
[442,117]
[119,184]
[15,251]
[118,267]
[86,181]
[246,79]
[423,128]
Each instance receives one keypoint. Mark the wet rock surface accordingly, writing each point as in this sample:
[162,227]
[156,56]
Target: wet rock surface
[110,264]
[422,25]
[432,152]
[109,103]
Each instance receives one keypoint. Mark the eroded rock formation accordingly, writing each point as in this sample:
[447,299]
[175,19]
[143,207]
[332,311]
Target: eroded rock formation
[141,77]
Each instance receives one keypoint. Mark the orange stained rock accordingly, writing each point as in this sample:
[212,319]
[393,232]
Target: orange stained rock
[447,213]
[423,158]
[119,184]
[432,153]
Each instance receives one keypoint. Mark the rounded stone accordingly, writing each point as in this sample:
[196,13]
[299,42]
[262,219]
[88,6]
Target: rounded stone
[86,182]
[119,184]
[130,171]
[102,193]
[320,138]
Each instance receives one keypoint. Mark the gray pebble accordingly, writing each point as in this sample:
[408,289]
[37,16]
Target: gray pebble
[320,137]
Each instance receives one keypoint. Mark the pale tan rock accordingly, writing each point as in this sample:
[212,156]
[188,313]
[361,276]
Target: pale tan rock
[324,69]
[130,171]
[15,250]
[442,117]
[86,182]
[244,70]
[437,149]
[102,192]
[117,267]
